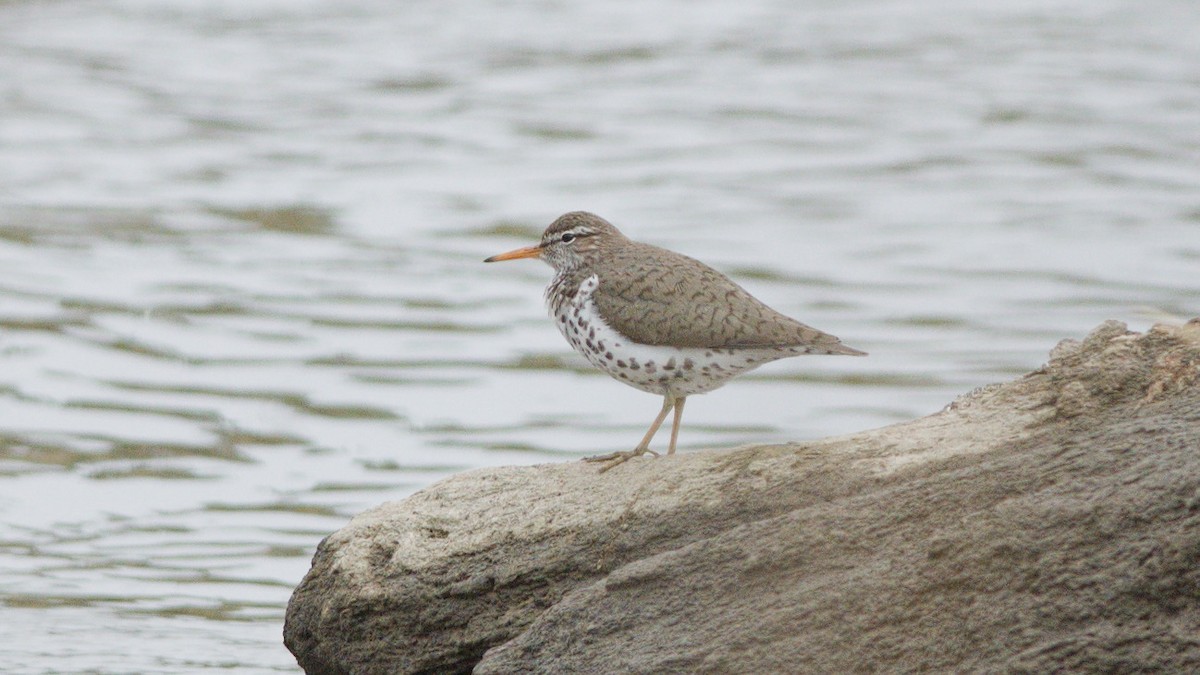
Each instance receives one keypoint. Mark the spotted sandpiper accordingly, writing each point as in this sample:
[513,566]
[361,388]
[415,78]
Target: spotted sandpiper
[658,320]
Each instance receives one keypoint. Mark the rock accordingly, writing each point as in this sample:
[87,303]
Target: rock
[1047,524]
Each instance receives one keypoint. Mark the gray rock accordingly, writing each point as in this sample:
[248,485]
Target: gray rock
[1047,524]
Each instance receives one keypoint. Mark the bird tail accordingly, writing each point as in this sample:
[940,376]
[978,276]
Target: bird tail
[842,350]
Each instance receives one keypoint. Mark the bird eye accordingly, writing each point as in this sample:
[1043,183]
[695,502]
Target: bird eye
[568,238]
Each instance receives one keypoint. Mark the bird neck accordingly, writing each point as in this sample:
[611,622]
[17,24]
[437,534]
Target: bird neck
[565,285]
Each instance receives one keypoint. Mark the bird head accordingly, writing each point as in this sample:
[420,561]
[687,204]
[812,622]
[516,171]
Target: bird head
[573,240]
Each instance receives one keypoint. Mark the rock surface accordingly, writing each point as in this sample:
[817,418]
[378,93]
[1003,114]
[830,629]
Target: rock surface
[1050,523]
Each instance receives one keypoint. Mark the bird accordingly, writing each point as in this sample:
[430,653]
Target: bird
[658,320]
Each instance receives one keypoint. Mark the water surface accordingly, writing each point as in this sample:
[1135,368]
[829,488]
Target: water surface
[241,296]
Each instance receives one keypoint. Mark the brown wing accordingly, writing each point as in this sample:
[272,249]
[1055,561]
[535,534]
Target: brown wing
[682,302]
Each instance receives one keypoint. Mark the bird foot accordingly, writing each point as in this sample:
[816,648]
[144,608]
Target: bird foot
[618,458]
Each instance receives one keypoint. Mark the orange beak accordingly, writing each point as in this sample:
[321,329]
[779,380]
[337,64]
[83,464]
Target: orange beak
[527,252]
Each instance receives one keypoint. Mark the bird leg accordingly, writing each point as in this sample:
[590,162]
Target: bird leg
[644,447]
[675,427]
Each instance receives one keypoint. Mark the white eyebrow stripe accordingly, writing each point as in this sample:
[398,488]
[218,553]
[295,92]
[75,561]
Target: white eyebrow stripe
[581,231]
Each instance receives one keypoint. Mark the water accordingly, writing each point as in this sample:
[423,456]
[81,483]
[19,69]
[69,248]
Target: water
[241,296]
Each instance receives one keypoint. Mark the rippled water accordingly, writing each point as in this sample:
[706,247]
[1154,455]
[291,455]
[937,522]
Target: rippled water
[241,296]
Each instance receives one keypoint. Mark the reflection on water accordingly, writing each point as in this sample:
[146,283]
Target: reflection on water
[242,296]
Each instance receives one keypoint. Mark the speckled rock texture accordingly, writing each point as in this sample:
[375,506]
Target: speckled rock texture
[1049,524]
